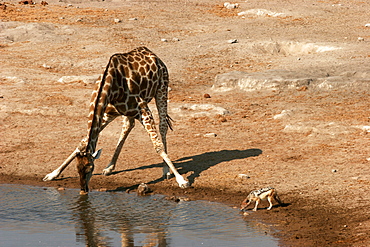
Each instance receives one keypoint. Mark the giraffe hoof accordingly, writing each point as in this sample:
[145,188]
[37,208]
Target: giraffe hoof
[50,176]
[184,185]
[107,172]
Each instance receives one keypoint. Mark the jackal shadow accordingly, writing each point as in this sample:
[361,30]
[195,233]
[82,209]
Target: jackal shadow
[197,164]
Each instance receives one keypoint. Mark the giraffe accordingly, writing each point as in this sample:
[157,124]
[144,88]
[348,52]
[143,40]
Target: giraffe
[130,81]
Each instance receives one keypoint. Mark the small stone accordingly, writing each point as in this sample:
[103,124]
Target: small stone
[46,66]
[245,214]
[334,170]
[26,2]
[303,88]
[243,176]
[231,5]
[143,189]
[164,40]
[232,41]
[3,6]
[175,39]
[103,189]
[367,25]
[117,20]
[133,19]
[207,96]
[360,39]
[210,135]
[61,188]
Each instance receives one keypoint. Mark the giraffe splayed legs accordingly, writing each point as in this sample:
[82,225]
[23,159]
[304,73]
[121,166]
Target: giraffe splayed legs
[130,81]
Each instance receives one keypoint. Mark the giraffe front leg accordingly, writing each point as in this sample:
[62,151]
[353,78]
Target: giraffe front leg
[127,125]
[59,170]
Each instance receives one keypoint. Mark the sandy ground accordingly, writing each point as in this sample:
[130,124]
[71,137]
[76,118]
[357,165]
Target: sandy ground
[308,141]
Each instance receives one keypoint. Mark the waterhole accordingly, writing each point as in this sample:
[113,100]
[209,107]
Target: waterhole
[35,216]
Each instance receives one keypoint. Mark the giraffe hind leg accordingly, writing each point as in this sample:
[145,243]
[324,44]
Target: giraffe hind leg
[147,121]
[164,120]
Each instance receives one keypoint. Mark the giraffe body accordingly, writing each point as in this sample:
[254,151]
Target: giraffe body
[130,81]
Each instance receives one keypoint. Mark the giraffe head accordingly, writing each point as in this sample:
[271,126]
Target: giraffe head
[85,167]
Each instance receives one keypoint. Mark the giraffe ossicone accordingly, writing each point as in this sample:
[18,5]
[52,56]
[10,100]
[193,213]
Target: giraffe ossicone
[130,81]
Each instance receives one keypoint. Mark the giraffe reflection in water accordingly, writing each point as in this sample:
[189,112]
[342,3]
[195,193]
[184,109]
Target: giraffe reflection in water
[93,225]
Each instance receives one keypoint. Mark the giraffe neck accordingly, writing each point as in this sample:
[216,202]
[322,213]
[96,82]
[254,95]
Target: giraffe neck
[98,104]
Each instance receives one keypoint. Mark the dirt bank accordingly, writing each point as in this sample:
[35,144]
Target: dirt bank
[310,143]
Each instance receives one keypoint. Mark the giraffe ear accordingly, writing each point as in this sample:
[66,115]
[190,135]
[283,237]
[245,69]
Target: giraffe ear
[97,154]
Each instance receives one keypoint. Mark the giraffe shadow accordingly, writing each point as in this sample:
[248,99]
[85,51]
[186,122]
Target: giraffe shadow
[202,162]
[197,164]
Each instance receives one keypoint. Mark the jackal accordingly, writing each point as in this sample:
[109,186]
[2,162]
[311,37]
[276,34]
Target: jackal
[268,194]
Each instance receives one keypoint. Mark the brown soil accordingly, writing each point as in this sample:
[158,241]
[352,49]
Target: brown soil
[320,170]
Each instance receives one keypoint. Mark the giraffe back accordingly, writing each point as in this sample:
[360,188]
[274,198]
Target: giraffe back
[129,78]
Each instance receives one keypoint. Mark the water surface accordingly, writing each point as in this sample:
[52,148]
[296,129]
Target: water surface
[34,216]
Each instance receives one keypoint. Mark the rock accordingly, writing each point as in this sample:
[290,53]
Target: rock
[25,2]
[210,135]
[270,80]
[231,5]
[143,189]
[360,39]
[133,19]
[232,41]
[177,199]
[46,66]
[334,170]
[61,189]
[207,96]
[199,110]
[283,114]
[262,12]
[15,79]
[367,25]
[86,79]
[3,6]
[117,20]
[243,176]
[164,40]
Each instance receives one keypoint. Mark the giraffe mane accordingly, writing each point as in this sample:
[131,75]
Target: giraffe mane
[96,108]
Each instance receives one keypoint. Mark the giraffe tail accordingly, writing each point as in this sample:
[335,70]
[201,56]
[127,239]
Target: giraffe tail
[169,121]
